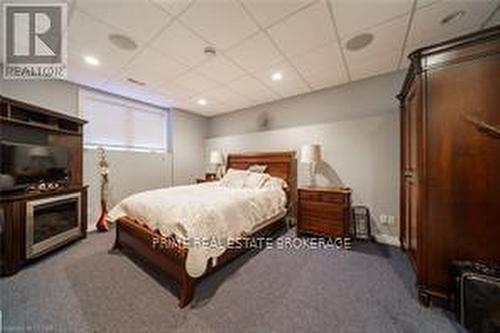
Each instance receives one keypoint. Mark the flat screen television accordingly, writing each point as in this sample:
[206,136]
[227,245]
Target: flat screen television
[23,165]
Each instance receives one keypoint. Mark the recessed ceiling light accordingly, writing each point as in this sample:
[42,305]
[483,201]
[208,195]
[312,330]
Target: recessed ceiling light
[277,76]
[91,60]
[202,102]
[455,16]
[359,42]
[136,82]
[122,42]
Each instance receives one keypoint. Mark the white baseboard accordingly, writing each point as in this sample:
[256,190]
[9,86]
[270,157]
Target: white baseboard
[387,239]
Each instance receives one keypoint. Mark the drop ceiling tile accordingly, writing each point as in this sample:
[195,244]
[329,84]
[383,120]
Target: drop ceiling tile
[78,72]
[178,42]
[495,20]
[86,30]
[144,94]
[352,16]
[322,67]
[220,69]
[177,92]
[173,7]
[210,108]
[268,12]
[255,53]
[110,60]
[304,31]
[427,29]
[252,89]
[140,19]
[291,84]
[382,55]
[222,94]
[88,37]
[195,81]
[154,68]
[424,3]
[223,23]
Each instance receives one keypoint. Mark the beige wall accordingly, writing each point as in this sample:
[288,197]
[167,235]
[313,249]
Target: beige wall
[190,132]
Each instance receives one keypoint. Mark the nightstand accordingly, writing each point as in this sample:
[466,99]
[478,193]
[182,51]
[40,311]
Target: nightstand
[324,211]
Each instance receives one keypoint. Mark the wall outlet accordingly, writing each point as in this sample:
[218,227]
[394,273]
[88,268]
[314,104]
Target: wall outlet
[383,219]
[391,220]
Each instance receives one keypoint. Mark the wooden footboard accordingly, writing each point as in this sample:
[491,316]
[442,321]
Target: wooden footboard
[170,257]
[165,254]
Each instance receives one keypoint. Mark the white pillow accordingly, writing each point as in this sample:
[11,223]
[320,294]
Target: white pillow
[234,178]
[275,182]
[259,168]
[256,180]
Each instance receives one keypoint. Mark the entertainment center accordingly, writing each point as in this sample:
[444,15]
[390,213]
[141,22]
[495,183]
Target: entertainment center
[43,202]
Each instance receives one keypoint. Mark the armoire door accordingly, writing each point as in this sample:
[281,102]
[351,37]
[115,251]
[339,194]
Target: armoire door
[410,174]
[464,164]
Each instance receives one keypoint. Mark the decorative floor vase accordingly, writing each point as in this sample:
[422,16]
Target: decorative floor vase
[102,223]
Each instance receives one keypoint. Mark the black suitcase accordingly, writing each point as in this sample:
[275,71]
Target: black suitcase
[477,295]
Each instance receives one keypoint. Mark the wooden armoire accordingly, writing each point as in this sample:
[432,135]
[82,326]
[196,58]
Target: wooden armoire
[450,158]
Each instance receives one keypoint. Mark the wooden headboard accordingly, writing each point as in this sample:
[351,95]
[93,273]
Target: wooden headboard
[279,164]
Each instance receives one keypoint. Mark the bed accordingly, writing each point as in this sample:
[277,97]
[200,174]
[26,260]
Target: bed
[141,238]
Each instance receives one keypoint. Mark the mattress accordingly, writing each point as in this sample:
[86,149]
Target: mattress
[202,214]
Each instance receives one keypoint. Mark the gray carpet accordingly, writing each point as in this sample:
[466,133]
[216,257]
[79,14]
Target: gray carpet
[87,288]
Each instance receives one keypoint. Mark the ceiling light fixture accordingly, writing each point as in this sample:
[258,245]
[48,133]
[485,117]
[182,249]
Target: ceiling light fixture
[202,102]
[123,42]
[453,17]
[136,82]
[359,42]
[277,76]
[91,60]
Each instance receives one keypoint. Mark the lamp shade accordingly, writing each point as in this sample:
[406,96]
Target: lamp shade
[310,154]
[216,157]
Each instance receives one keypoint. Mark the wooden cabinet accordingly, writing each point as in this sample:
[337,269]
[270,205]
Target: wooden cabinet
[22,235]
[324,211]
[450,157]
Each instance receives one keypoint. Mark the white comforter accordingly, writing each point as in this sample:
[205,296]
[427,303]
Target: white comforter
[205,211]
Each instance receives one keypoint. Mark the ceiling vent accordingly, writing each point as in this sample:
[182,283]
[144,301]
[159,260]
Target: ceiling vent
[359,42]
[136,82]
[123,42]
[210,51]
[453,17]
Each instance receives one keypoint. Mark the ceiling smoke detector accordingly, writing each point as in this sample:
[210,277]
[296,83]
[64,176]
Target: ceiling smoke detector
[122,42]
[455,16]
[210,51]
[136,82]
[359,42]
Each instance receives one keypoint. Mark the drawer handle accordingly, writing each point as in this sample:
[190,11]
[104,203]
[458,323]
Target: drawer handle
[482,126]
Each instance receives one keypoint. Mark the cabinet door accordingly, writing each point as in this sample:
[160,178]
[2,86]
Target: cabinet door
[464,164]
[412,125]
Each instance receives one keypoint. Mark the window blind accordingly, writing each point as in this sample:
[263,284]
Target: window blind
[118,123]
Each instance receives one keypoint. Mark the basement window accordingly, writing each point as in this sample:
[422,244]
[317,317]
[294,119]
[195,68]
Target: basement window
[116,123]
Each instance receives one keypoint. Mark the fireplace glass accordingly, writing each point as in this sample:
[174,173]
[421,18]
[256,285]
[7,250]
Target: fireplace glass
[51,221]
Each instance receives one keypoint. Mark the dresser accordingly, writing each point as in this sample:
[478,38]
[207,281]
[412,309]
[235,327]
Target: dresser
[450,158]
[324,211]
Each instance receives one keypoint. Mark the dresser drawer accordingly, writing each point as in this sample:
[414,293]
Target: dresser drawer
[320,227]
[322,210]
[338,198]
